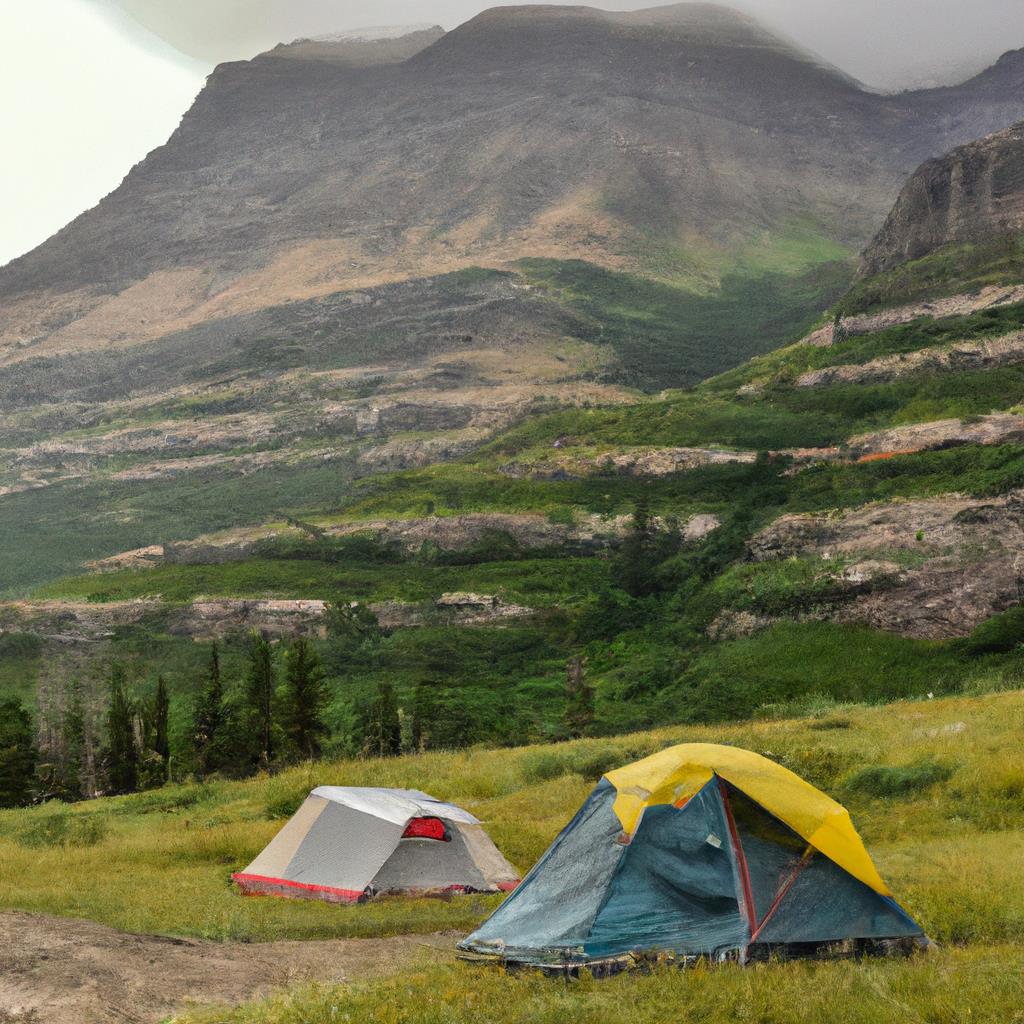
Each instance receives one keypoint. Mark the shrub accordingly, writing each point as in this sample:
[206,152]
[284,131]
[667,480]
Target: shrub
[62,829]
[821,766]
[20,645]
[543,765]
[997,635]
[285,793]
[898,782]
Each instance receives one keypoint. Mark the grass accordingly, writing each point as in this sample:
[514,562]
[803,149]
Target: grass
[950,844]
[536,581]
[980,986]
[50,532]
[949,270]
[161,861]
[667,335]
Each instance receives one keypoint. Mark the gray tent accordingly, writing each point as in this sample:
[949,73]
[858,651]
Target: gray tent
[348,844]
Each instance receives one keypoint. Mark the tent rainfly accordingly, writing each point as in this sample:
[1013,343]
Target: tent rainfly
[348,844]
[698,851]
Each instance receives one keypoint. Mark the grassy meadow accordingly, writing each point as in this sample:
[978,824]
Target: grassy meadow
[935,786]
[973,986]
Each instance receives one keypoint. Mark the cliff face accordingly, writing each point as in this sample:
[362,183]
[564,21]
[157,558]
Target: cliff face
[973,194]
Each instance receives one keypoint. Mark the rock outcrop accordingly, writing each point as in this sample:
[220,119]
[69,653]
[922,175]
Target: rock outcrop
[990,297]
[532,532]
[996,428]
[69,622]
[633,462]
[983,354]
[962,559]
[973,194]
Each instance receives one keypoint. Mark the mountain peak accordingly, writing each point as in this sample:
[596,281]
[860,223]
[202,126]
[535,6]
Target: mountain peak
[365,47]
[709,24]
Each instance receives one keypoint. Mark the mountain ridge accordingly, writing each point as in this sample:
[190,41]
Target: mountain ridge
[508,136]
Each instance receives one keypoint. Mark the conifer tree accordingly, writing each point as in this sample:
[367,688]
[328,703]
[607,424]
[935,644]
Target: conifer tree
[74,744]
[425,710]
[260,698]
[18,755]
[306,699]
[161,717]
[579,698]
[122,751]
[210,717]
[382,729]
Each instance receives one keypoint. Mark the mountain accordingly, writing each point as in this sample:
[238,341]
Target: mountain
[838,520]
[973,194]
[384,253]
[662,141]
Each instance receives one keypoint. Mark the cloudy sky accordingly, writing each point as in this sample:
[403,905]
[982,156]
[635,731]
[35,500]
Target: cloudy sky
[90,86]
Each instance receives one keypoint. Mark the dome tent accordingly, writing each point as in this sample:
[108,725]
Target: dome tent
[697,851]
[348,844]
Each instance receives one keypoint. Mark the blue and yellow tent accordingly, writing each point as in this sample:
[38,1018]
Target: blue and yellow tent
[699,850]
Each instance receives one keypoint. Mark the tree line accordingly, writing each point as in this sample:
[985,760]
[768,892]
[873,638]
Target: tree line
[273,716]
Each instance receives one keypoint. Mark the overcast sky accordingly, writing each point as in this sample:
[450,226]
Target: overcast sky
[90,86]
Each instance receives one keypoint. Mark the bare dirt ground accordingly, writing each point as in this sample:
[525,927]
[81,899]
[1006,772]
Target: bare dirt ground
[61,971]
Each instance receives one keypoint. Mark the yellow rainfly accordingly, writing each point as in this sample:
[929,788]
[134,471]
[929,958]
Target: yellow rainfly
[672,776]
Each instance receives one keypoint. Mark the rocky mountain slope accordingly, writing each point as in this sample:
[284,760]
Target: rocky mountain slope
[839,519]
[271,305]
[457,483]
[661,140]
[973,194]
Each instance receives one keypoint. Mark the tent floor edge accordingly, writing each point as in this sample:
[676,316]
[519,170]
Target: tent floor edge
[840,949]
[262,885]
[756,953]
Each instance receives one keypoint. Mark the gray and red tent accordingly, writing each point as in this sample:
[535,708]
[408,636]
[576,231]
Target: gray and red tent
[348,844]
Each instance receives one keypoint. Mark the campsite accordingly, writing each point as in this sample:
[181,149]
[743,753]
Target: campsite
[512,513]
[945,834]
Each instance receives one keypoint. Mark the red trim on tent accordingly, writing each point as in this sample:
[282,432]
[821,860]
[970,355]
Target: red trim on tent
[426,828]
[741,860]
[804,861]
[264,885]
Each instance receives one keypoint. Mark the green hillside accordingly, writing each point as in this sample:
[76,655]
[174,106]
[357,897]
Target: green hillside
[645,615]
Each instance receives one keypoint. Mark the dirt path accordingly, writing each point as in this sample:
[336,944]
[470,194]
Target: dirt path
[62,971]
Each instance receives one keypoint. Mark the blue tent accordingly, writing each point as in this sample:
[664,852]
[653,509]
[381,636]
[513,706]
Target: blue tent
[701,869]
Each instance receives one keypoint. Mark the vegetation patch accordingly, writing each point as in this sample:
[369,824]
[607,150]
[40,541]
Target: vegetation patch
[950,270]
[896,783]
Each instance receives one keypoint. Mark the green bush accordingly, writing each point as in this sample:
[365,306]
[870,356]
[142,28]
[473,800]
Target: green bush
[62,828]
[997,635]
[900,782]
[20,645]
[544,765]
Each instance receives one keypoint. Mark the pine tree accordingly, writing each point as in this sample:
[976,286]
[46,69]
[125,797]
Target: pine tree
[579,698]
[74,742]
[161,717]
[425,710]
[260,698]
[210,717]
[306,698]
[382,729]
[634,567]
[18,755]
[122,751]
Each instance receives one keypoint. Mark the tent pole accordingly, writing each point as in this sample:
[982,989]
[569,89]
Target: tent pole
[741,862]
